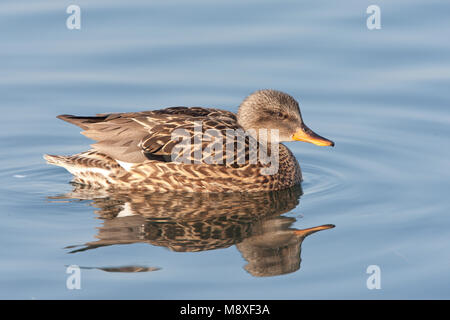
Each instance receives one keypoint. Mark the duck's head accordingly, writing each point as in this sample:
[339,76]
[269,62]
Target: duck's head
[271,109]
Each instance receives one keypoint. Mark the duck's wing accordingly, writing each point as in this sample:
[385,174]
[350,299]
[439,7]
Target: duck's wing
[137,137]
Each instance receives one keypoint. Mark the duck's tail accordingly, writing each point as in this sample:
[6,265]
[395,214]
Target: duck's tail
[56,160]
[90,168]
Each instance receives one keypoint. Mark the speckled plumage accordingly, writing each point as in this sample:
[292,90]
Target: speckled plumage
[133,150]
[99,170]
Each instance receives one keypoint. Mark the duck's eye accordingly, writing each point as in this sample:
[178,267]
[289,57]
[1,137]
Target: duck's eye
[276,114]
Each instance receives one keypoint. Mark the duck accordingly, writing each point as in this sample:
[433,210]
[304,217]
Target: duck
[254,223]
[193,149]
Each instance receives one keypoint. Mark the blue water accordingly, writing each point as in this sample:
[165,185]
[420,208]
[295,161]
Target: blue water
[381,95]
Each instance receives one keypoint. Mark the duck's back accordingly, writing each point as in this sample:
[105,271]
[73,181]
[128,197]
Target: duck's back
[134,150]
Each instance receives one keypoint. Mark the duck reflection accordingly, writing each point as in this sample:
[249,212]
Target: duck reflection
[192,222]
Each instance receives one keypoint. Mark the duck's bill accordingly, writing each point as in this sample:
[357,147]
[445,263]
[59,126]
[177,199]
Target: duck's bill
[305,134]
[307,232]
